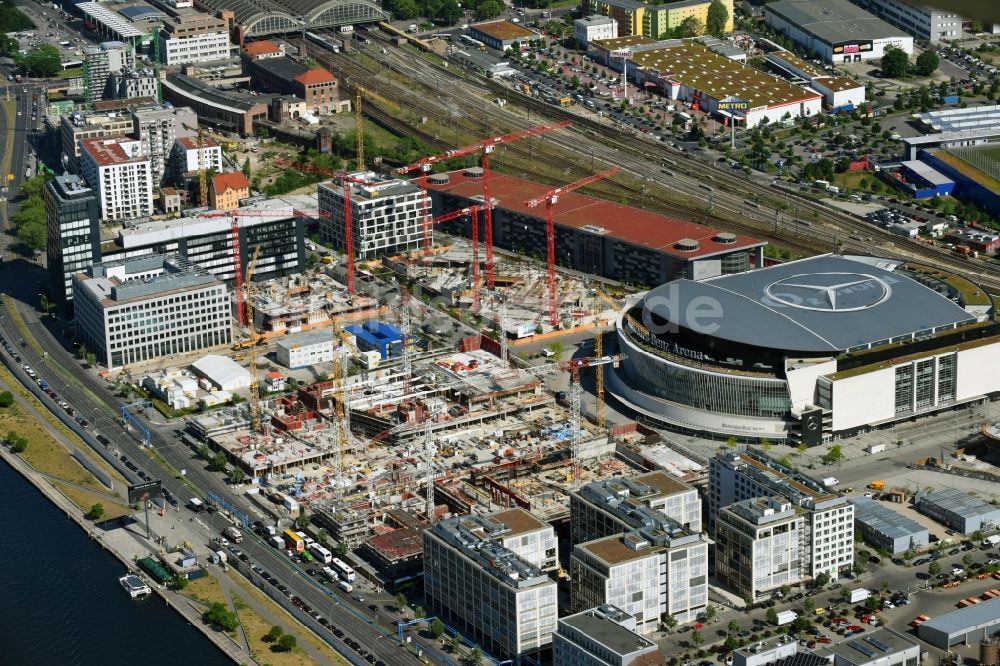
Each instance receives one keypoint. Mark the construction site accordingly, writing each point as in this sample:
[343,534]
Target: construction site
[407,425]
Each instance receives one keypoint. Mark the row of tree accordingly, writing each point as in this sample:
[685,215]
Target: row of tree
[30,216]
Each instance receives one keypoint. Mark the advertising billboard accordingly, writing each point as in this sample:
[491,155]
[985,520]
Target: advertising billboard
[812,427]
[142,492]
[852,47]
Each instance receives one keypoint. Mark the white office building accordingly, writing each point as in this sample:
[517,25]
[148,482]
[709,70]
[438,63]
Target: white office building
[649,573]
[595,27]
[137,311]
[387,215]
[497,599]
[916,19]
[826,537]
[596,510]
[757,546]
[602,636]
[529,538]
[122,176]
[193,37]
[303,350]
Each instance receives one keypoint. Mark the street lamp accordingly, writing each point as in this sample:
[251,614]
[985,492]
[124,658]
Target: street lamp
[373,645]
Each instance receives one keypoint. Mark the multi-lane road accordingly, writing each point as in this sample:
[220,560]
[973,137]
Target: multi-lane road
[92,399]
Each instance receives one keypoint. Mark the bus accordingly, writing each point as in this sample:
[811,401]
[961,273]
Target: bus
[294,542]
[321,554]
[345,572]
[473,42]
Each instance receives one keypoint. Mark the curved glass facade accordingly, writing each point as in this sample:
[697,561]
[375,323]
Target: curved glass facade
[717,392]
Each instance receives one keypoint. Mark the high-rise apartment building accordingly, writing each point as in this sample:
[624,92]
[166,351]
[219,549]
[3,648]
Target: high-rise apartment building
[76,127]
[187,156]
[596,509]
[827,534]
[74,238]
[135,311]
[602,636]
[101,63]
[757,546]
[157,131]
[122,176]
[387,215]
[498,599]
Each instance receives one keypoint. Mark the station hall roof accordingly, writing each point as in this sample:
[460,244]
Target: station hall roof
[825,304]
[270,17]
[579,211]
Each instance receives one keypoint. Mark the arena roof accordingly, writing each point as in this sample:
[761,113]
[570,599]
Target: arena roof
[833,21]
[270,17]
[821,304]
[579,211]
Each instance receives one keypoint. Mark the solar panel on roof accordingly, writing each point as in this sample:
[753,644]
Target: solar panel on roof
[877,643]
[861,648]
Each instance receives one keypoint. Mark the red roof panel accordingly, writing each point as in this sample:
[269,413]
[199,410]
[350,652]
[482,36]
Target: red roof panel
[631,225]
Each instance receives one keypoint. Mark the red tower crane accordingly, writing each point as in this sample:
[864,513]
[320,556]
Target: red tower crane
[549,199]
[486,146]
[347,180]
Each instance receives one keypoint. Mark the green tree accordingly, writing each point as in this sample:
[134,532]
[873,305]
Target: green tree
[400,602]
[557,349]
[436,628]
[670,622]
[894,62]
[302,521]
[237,476]
[218,462]
[833,454]
[967,559]
[858,569]
[6,399]
[16,443]
[734,626]
[42,61]
[697,638]
[246,168]
[927,63]
[419,613]
[710,613]
[274,634]
[476,655]
[179,582]
[809,605]
[456,643]
[690,27]
[731,442]
[488,9]
[449,12]
[96,512]
[978,535]
[772,615]
[822,579]
[718,17]
[405,9]
[287,642]
[341,549]
[871,603]
[220,617]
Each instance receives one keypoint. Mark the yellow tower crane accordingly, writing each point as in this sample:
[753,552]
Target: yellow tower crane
[359,130]
[599,351]
[255,411]
[342,344]
[202,170]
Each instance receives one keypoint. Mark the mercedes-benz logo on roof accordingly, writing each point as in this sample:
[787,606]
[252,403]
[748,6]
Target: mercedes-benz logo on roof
[828,292]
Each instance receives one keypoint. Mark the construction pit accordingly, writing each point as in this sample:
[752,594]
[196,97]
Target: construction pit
[519,300]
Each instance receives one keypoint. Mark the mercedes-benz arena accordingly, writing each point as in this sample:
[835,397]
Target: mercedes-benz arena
[807,350]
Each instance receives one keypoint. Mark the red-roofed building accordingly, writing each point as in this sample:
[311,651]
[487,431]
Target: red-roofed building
[261,50]
[595,235]
[227,189]
[122,176]
[317,87]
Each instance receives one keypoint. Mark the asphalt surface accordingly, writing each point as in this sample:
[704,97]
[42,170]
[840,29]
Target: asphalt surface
[91,398]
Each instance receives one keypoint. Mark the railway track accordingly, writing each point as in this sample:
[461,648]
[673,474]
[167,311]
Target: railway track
[439,92]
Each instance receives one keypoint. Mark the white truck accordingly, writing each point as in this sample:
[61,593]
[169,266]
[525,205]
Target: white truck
[196,504]
[233,533]
[991,541]
[830,481]
[787,617]
[330,573]
[859,594]
[345,586]
[277,542]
